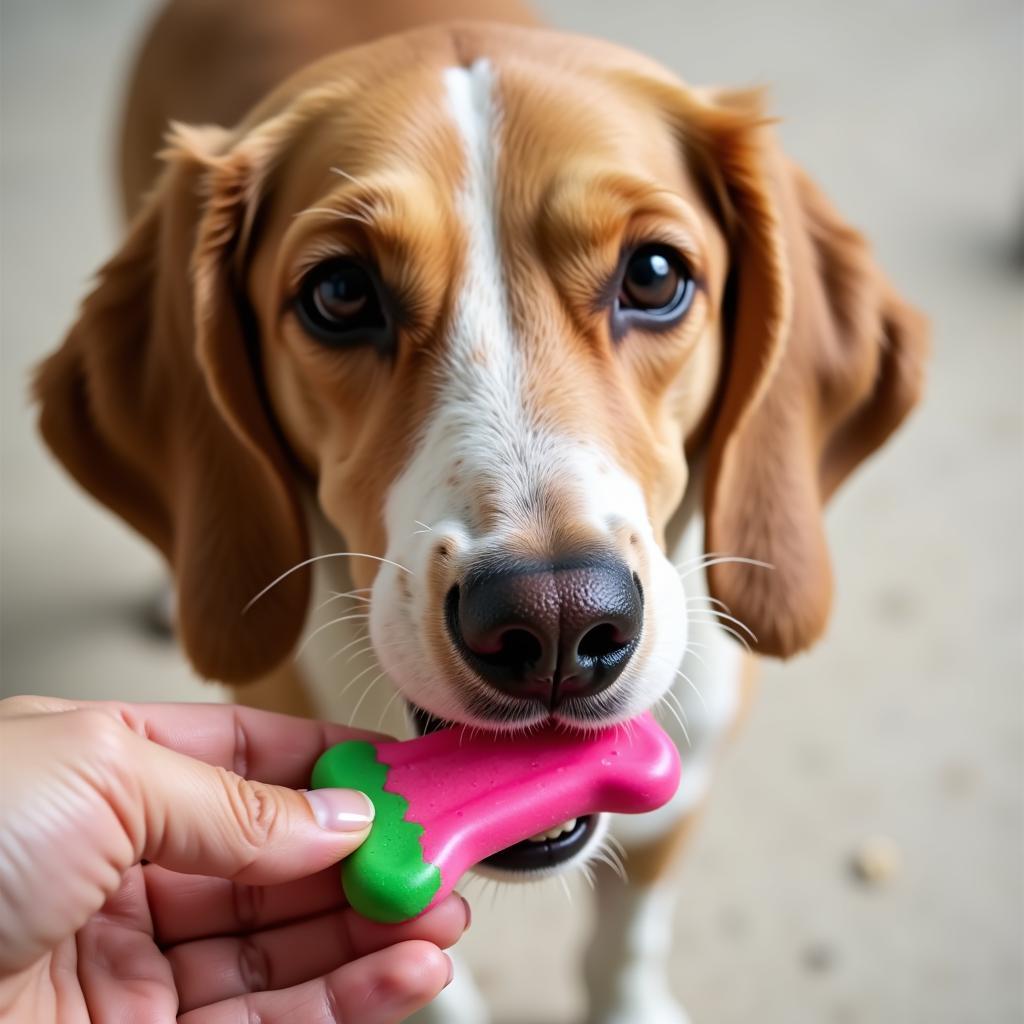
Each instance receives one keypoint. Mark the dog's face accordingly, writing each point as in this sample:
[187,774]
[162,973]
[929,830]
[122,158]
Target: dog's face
[482,291]
[488,334]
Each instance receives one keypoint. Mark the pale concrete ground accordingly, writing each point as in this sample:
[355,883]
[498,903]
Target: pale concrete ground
[905,722]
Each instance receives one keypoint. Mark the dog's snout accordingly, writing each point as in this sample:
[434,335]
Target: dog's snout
[548,632]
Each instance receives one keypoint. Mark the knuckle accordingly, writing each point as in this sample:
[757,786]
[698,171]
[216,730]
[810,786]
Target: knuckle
[104,736]
[257,808]
[249,1011]
[248,904]
[253,966]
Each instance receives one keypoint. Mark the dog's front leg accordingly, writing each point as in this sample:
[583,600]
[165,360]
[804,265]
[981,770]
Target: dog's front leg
[627,965]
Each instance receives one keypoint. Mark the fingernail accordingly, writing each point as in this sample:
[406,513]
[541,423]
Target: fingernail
[340,810]
[451,970]
[469,910]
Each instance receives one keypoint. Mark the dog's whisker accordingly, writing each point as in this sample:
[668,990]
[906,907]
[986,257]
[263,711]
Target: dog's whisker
[710,600]
[688,652]
[326,625]
[724,559]
[730,618]
[387,708]
[606,857]
[728,629]
[693,686]
[611,853]
[359,703]
[318,558]
[364,635]
[335,596]
[565,888]
[674,699]
[369,668]
[703,556]
[370,646]
[354,609]
[345,689]
[360,651]
[675,714]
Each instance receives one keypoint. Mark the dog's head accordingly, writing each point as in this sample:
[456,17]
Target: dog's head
[487,293]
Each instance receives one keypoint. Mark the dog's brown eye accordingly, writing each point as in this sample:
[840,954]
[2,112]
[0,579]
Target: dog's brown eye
[339,303]
[657,286]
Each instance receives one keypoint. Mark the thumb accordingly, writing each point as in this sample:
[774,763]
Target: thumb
[84,798]
[200,819]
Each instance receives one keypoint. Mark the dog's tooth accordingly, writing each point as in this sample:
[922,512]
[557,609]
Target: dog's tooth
[554,833]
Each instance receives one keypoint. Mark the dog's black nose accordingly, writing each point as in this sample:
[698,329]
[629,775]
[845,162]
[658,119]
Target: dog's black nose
[548,632]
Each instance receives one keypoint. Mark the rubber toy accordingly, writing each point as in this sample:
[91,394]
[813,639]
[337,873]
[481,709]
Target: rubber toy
[452,798]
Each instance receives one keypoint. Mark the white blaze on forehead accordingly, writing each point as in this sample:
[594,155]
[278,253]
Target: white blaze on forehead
[481,429]
[472,102]
[478,423]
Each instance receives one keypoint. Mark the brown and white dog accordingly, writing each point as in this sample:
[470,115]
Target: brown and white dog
[565,352]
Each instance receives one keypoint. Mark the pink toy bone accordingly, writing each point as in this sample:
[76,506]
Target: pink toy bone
[448,800]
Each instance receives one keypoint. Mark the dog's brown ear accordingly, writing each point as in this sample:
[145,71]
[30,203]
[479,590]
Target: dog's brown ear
[153,405]
[824,360]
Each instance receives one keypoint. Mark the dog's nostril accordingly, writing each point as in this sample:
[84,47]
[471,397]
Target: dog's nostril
[601,641]
[517,649]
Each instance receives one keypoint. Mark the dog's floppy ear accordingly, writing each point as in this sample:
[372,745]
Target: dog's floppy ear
[824,360]
[153,404]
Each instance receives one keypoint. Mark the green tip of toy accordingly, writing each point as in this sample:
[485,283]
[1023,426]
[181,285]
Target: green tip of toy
[386,879]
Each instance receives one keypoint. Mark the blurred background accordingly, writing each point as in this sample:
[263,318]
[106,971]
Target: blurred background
[861,860]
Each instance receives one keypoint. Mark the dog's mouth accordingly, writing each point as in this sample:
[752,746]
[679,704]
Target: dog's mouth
[551,849]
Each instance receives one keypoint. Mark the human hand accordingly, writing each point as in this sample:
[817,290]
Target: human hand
[145,875]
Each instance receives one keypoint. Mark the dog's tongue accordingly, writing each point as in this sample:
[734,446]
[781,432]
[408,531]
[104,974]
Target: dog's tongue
[450,799]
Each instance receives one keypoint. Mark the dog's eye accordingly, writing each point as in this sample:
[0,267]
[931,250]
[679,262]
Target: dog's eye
[656,285]
[339,304]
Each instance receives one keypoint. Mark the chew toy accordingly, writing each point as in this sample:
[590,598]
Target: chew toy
[452,798]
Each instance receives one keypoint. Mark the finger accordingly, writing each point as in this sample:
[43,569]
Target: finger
[204,820]
[121,971]
[212,970]
[198,819]
[382,988]
[255,744]
[197,906]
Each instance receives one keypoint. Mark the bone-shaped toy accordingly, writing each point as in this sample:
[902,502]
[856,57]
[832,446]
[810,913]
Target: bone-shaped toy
[452,798]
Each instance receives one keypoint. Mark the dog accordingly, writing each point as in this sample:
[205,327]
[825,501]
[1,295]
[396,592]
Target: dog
[542,361]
